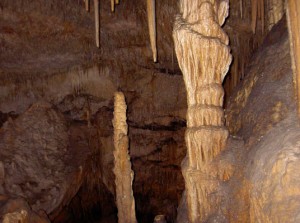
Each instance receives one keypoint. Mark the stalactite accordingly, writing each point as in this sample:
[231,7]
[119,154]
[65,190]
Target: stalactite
[87,5]
[204,57]
[112,5]
[253,15]
[257,12]
[152,27]
[293,18]
[241,8]
[97,22]
[117,2]
[122,169]
[262,14]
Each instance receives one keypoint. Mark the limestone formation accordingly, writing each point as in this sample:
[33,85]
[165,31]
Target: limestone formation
[112,5]
[257,12]
[204,58]
[122,169]
[152,27]
[97,22]
[160,219]
[293,9]
[87,5]
[275,12]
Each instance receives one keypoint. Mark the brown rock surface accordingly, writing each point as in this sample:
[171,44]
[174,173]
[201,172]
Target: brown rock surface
[17,210]
[37,160]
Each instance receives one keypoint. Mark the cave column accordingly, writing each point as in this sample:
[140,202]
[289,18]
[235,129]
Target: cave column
[293,17]
[204,58]
[122,169]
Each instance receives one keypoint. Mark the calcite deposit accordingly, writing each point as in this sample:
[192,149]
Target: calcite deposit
[152,27]
[122,169]
[204,58]
[57,147]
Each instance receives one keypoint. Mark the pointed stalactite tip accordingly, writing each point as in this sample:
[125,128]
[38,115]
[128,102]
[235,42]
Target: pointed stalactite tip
[112,5]
[152,27]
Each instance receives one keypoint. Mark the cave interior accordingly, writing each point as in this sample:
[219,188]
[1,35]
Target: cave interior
[167,111]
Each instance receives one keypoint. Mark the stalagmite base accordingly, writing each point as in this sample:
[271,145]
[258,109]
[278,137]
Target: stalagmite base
[204,58]
[122,169]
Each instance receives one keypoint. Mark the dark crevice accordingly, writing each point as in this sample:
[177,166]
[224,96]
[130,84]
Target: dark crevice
[5,116]
[163,70]
[174,126]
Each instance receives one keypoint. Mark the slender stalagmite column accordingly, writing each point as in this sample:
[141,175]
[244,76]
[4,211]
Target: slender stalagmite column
[204,58]
[122,169]
[97,22]
[152,27]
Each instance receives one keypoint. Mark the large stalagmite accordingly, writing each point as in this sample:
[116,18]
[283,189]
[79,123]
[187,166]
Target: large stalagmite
[122,169]
[204,58]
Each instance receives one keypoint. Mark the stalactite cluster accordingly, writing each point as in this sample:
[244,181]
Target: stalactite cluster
[113,3]
[247,27]
[204,58]
[258,12]
[293,6]
[122,169]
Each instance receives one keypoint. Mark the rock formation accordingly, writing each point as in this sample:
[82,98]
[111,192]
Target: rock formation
[204,58]
[36,153]
[293,8]
[87,5]
[275,11]
[97,22]
[122,169]
[152,27]
[15,210]
[160,219]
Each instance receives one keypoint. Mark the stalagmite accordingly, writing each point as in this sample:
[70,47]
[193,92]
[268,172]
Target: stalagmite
[160,219]
[97,22]
[152,27]
[293,18]
[122,169]
[204,58]
[87,5]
